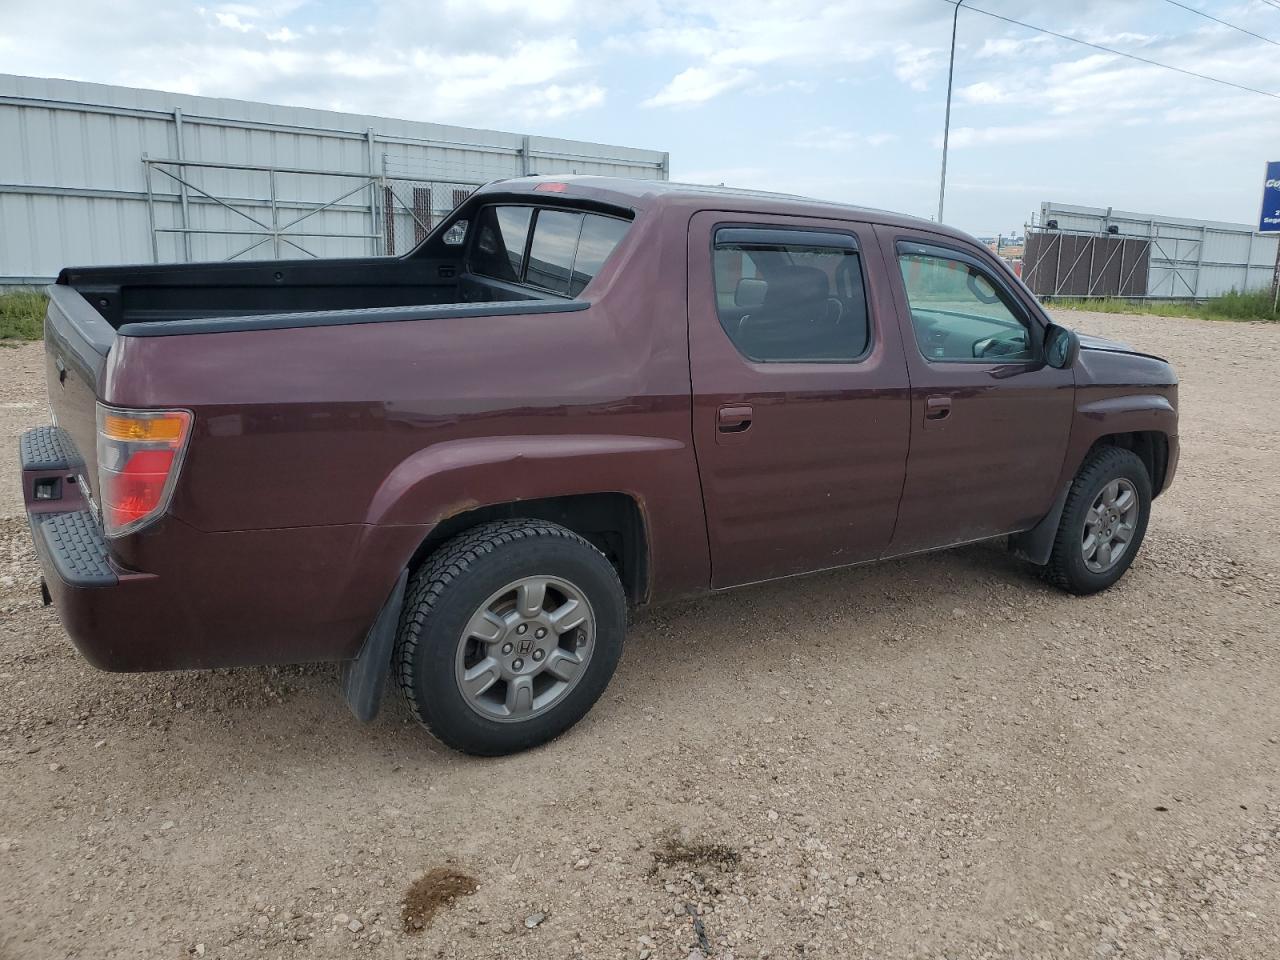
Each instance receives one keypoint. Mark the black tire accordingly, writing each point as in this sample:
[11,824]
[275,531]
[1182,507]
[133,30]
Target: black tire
[1066,568]
[452,584]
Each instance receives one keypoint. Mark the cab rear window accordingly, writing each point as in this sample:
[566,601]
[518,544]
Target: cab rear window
[501,235]
[559,251]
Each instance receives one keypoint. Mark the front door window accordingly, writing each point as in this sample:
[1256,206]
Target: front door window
[958,313]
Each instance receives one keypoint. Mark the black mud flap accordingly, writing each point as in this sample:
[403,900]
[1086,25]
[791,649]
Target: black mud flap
[364,677]
[1036,545]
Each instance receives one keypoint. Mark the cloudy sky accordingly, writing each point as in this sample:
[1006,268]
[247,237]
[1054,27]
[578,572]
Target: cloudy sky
[840,100]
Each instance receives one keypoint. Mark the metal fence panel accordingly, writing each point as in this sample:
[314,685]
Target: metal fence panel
[1187,259]
[76,158]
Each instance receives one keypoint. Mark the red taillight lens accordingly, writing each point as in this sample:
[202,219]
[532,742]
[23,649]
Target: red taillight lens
[138,489]
[139,455]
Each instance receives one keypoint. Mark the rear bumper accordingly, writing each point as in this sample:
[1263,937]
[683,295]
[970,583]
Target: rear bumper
[71,545]
[235,598]
[78,573]
[90,593]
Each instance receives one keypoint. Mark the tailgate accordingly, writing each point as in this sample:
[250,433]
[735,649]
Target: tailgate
[76,341]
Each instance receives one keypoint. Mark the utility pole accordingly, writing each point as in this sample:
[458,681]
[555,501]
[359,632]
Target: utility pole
[946,127]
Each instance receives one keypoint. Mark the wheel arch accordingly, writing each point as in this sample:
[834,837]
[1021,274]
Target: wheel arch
[1143,422]
[1151,447]
[612,522]
[597,485]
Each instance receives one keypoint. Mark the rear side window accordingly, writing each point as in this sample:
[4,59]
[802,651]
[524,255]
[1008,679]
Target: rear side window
[555,245]
[791,295]
[566,251]
[500,242]
[599,236]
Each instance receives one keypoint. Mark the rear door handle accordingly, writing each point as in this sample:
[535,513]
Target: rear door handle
[937,408]
[734,418]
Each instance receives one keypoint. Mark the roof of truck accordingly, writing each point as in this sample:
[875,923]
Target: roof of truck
[637,193]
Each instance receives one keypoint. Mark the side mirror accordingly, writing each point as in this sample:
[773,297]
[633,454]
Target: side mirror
[1061,347]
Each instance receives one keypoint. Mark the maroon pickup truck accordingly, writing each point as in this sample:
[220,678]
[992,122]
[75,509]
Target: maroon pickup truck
[576,395]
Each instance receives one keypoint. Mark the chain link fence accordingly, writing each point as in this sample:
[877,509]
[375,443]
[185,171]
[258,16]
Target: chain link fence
[411,208]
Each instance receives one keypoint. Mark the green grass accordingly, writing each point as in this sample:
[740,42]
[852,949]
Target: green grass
[22,315]
[1231,306]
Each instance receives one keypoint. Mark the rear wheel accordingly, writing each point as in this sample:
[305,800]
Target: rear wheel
[1103,523]
[510,633]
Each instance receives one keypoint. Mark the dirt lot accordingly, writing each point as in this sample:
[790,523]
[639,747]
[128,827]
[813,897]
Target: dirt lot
[935,758]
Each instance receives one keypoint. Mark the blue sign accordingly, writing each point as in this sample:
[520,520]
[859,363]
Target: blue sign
[1269,222]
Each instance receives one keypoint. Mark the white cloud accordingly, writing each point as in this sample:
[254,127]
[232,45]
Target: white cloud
[1020,133]
[984,91]
[993,47]
[798,38]
[914,66]
[557,101]
[840,139]
[231,21]
[698,85]
[479,62]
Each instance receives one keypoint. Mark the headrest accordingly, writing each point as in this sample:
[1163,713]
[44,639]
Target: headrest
[796,285]
[750,292]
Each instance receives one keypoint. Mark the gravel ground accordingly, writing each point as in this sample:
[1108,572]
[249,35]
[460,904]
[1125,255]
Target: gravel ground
[23,405]
[937,757]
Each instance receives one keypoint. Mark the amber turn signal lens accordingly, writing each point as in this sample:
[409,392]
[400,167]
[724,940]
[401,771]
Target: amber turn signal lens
[167,427]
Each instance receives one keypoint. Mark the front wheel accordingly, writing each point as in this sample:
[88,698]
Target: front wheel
[1103,523]
[510,633]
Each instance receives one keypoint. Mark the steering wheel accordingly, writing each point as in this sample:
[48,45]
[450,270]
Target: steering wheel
[996,347]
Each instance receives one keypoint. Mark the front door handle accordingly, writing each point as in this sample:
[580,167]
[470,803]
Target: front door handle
[937,408]
[734,418]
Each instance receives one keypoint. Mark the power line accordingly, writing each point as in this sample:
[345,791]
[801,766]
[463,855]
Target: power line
[1209,16]
[1271,3]
[1121,53]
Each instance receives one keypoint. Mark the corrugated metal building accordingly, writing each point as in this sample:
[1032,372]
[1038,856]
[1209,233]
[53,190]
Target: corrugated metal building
[95,174]
[1098,251]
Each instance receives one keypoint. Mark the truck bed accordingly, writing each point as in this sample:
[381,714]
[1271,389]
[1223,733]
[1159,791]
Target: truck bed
[91,309]
[152,294]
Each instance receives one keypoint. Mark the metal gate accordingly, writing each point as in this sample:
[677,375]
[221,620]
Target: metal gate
[1059,263]
[1181,259]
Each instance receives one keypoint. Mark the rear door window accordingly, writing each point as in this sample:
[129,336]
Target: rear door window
[791,295]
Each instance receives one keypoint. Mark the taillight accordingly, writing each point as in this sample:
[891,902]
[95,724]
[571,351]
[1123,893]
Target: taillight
[139,456]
